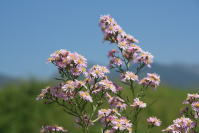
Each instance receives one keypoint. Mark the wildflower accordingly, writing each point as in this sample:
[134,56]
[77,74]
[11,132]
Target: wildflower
[138,104]
[86,96]
[97,72]
[115,61]
[191,98]
[129,76]
[116,102]
[152,80]
[153,121]
[107,85]
[180,125]
[195,106]
[145,58]
[123,44]
[52,129]
[121,124]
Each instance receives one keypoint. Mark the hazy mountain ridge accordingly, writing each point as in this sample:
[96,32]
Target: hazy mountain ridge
[176,75]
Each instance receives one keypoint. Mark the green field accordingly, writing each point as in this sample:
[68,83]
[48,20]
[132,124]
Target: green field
[21,113]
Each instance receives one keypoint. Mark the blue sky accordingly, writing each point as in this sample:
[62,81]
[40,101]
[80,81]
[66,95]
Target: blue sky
[32,29]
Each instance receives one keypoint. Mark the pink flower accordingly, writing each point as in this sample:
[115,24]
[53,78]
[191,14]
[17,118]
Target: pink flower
[154,121]
[52,129]
[138,104]
[129,76]
[97,72]
[86,96]
[152,80]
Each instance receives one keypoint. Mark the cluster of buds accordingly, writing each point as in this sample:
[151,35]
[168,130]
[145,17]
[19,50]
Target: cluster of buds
[180,125]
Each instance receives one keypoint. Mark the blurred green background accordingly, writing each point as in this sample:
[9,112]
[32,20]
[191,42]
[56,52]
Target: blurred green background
[21,113]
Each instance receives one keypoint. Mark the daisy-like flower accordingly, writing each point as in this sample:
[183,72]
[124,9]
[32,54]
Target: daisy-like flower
[115,61]
[195,106]
[52,129]
[145,58]
[152,80]
[123,44]
[116,102]
[121,124]
[153,121]
[191,98]
[86,96]
[107,85]
[138,104]
[97,72]
[180,125]
[129,76]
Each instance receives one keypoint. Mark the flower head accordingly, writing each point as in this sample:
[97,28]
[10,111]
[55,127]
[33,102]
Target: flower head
[152,80]
[191,98]
[154,121]
[86,96]
[97,72]
[145,58]
[129,76]
[138,104]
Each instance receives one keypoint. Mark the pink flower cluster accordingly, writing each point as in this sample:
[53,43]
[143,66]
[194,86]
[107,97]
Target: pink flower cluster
[193,100]
[180,125]
[113,32]
[72,62]
[113,120]
[97,72]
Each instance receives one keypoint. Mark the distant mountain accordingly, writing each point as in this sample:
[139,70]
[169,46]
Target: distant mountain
[5,79]
[176,75]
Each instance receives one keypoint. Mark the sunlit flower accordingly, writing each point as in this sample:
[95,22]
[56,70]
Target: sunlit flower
[97,72]
[129,76]
[153,121]
[191,98]
[152,80]
[145,58]
[43,93]
[121,124]
[115,61]
[86,96]
[138,104]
